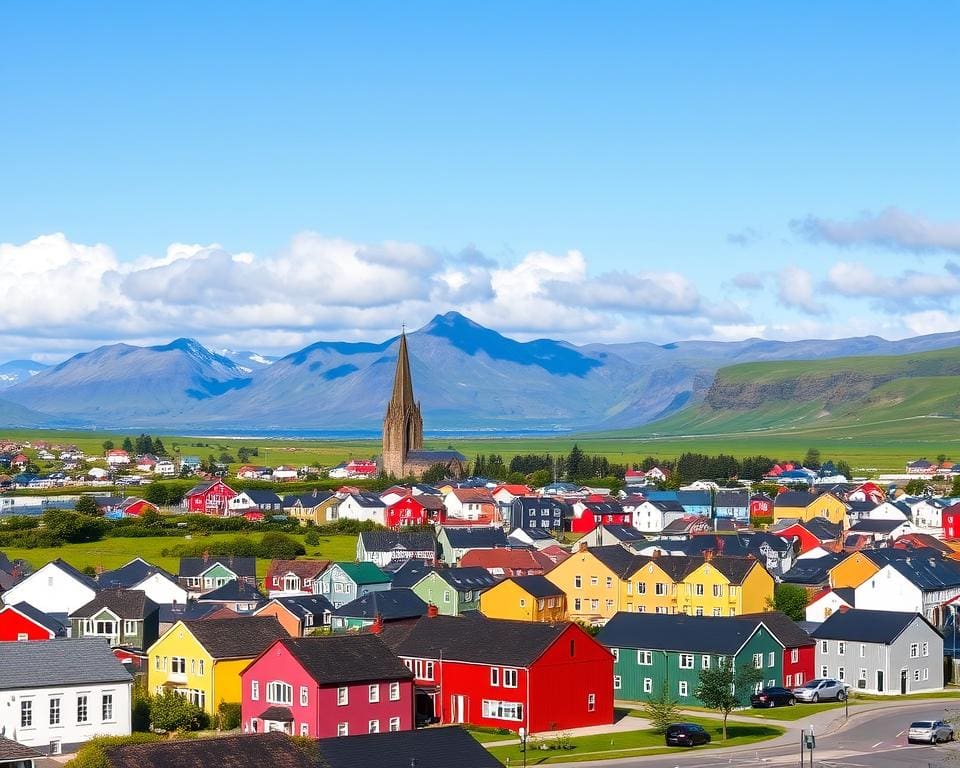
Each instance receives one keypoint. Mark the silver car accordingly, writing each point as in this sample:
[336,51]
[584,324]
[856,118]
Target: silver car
[821,689]
[930,731]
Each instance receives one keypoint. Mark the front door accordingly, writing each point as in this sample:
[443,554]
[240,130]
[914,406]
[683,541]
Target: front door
[903,681]
[879,681]
[458,708]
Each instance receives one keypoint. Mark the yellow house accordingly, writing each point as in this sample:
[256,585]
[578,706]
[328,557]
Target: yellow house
[591,580]
[651,587]
[525,598]
[202,660]
[805,506]
[852,571]
[315,509]
[725,586]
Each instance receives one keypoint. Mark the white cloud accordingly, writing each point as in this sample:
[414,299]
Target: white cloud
[796,289]
[891,229]
[859,280]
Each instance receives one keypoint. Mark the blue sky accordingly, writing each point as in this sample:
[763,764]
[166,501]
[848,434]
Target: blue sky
[601,171]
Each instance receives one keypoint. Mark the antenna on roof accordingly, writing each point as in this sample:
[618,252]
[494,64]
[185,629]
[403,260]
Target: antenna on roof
[403,328]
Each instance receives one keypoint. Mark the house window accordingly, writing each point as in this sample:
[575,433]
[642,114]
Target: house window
[342,697]
[55,711]
[523,603]
[616,682]
[26,713]
[594,605]
[576,604]
[342,729]
[394,723]
[914,650]
[682,688]
[788,680]
[609,582]
[106,707]
[660,588]
[502,710]
[823,671]
[863,650]
[716,612]
[718,590]
[705,662]
[758,661]
[641,588]
[577,582]
[591,702]
[255,690]
[373,693]
[645,658]
[609,604]
[862,674]
[594,581]
[82,712]
[129,627]
[494,676]
[698,589]
[823,646]
[373,726]
[771,659]
[616,653]
[509,678]
[795,655]
[841,647]
[178,665]
[200,666]
[446,595]
[304,695]
[841,672]
[916,675]
[304,729]
[686,661]
[926,649]
[648,685]
[279,693]
[926,673]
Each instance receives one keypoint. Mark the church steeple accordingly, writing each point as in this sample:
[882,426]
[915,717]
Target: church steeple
[402,396]
[402,424]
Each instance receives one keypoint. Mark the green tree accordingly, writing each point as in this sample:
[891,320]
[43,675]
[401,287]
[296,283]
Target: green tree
[156,493]
[279,546]
[660,709]
[720,687]
[158,449]
[435,473]
[955,488]
[73,528]
[577,464]
[312,538]
[93,752]
[108,445]
[86,505]
[812,459]
[539,478]
[791,599]
[915,487]
[170,711]
[844,469]
[128,445]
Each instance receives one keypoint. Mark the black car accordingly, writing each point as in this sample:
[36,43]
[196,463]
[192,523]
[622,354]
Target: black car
[774,696]
[686,735]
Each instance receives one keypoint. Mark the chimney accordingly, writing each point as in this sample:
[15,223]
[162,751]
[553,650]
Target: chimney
[432,610]
[707,555]
[656,554]
[377,627]
[206,555]
[582,547]
[844,608]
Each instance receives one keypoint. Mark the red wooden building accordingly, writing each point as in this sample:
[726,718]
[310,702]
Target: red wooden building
[209,498]
[416,510]
[818,532]
[24,622]
[761,506]
[598,510]
[506,674]
[341,685]
[799,649]
[951,521]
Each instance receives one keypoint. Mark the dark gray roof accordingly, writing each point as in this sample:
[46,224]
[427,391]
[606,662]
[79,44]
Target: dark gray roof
[793,499]
[422,748]
[469,578]
[624,532]
[813,571]
[388,604]
[929,574]
[130,574]
[875,526]
[43,619]
[302,606]
[786,630]
[341,659]
[172,613]
[739,499]
[618,559]
[676,632]
[239,638]
[233,590]
[58,663]
[476,538]
[538,586]
[386,541]
[535,534]
[669,506]
[244,567]
[277,714]
[538,503]
[131,604]
[263,497]
[823,529]
[867,626]
[605,507]
[78,575]
[847,594]
[12,751]
[306,499]
[406,573]
[370,500]
[274,749]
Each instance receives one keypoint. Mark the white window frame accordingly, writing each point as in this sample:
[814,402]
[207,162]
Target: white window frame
[510,678]
[682,688]
[343,696]
[686,661]
[394,691]
[373,693]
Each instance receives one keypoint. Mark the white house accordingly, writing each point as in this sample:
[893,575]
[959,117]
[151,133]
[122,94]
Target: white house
[393,494]
[58,694]
[284,474]
[881,529]
[889,510]
[914,585]
[165,468]
[363,506]
[928,512]
[654,516]
[163,589]
[117,457]
[57,587]
[98,473]
[827,602]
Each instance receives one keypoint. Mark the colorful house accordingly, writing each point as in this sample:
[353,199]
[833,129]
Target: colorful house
[810,533]
[761,507]
[420,509]
[724,586]
[211,497]
[293,577]
[202,660]
[300,615]
[950,517]
[24,622]
[524,598]
[377,609]
[654,651]
[316,508]
[327,686]
[455,542]
[806,506]
[799,648]
[383,547]
[127,619]
[506,674]
[501,563]
[202,574]
[343,583]
[56,588]
[591,580]
[590,512]
[454,590]
[543,513]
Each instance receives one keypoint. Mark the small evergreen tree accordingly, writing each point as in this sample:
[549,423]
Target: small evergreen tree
[87,506]
[661,710]
[128,445]
[108,445]
[721,686]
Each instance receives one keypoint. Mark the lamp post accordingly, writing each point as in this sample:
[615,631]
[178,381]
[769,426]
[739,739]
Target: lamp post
[523,744]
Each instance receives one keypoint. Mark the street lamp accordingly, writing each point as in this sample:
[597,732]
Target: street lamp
[523,744]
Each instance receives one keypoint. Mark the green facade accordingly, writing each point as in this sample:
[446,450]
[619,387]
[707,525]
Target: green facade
[433,589]
[642,672]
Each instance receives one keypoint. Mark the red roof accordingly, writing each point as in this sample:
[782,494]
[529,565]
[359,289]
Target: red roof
[508,559]
[516,490]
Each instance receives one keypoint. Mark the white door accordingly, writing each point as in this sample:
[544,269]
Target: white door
[458,708]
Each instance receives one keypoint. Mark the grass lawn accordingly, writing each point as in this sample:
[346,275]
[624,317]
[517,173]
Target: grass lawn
[112,553]
[950,693]
[485,737]
[631,743]
[797,712]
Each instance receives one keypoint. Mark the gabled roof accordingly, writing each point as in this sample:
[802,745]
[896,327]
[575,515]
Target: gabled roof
[534,534]
[387,541]
[263,497]
[794,499]
[190,611]
[388,604]
[677,632]
[468,578]
[875,526]
[473,495]
[79,576]
[422,748]
[857,625]
[537,586]
[307,570]
[514,559]
[127,604]
[339,659]
[308,500]
[782,627]
[618,559]
[58,663]
[202,487]
[484,537]
[274,749]
[368,500]
[474,639]
[739,499]
[302,606]
[37,616]
[669,506]
[929,574]
[406,573]
[232,590]
[241,638]
[12,751]
[363,573]
[244,567]
[425,500]
[813,570]
[624,532]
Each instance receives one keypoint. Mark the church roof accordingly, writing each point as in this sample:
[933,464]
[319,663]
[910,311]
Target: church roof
[402,380]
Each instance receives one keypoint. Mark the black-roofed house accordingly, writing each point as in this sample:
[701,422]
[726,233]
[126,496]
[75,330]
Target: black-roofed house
[610,535]
[880,530]
[202,659]
[813,573]
[542,513]
[24,622]
[160,586]
[537,538]
[732,504]
[61,693]
[201,574]
[16,755]
[380,608]
[455,542]
[524,598]
[880,652]
[300,615]
[267,502]
[406,573]
[911,583]
[326,687]
[276,750]
[654,516]
[317,507]
[424,748]
[454,590]
[239,596]
[56,589]
[126,618]
[505,674]
[384,547]
[363,506]
[651,650]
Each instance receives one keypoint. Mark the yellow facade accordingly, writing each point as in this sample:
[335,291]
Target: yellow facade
[852,571]
[319,514]
[649,589]
[178,661]
[508,600]
[707,591]
[592,589]
[825,505]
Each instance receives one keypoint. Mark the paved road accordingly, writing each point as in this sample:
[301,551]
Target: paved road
[874,739]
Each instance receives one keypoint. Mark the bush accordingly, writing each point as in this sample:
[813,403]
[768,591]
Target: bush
[140,705]
[279,546]
[228,716]
[93,753]
[172,712]
[312,538]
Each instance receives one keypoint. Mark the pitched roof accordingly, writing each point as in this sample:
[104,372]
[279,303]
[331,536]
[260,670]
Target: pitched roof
[130,574]
[475,538]
[426,500]
[793,499]
[513,559]
[618,559]
[368,500]
[232,590]
[812,570]
[346,658]
[423,748]
[74,573]
[244,567]
[37,616]
[676,632]
[58,663]
[308,500]
[132,604]
[307,570]
[929,574]
[263,497]
[862,626]
[875,526]
[474,638]
[363,573]
[473,495]
[302,606]
[13,751]
[739,499]
[241,638]
[274,749]
[407,572]
[386,541]
[781,626]
[388,604]
[467,578]
[537,586]
[192,610]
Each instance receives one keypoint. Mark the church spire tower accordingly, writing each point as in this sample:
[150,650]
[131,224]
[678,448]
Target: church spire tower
[403,424]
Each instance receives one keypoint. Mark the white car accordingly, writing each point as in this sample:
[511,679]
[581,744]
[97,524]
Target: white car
[929,731]
[821,689]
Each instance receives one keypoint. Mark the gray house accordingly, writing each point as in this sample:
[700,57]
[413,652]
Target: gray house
[881,652]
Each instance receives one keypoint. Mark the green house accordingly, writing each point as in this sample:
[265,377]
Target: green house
[653,649]
[454,590]
[127,618]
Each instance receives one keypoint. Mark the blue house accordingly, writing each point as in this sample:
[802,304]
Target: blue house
[540,512]
[733,505]
[693,502]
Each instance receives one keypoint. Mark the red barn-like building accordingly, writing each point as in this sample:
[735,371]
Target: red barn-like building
[951,521]
[209,498]
[24,622]
[506,674]
[416,510]
[598,510]
[799,649]
[761,506]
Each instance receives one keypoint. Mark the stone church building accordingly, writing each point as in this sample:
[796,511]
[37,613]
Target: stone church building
[403,454]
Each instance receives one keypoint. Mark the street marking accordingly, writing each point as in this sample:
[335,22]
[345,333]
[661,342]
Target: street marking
[876,745]
[900,734]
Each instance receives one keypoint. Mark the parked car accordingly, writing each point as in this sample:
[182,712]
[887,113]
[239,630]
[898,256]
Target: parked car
[821,689]
[774,696]
[929,731]
[686,735]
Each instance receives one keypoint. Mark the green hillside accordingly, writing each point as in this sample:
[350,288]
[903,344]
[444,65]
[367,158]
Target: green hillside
[905,396]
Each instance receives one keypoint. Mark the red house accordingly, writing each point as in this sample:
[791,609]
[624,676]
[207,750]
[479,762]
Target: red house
[812,533]
[598,510]
[504,563]
[761,506]
[134,507]
[799,649]
[951,521]
[24,622]
[506,674]
[416,510]
[340,685]
[293,577]
[209,497]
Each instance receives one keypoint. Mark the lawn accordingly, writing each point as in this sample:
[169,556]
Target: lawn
[631,743]
[113,552]
[486,737]
[797,712]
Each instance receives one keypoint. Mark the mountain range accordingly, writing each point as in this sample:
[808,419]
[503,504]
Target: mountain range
[467,377]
